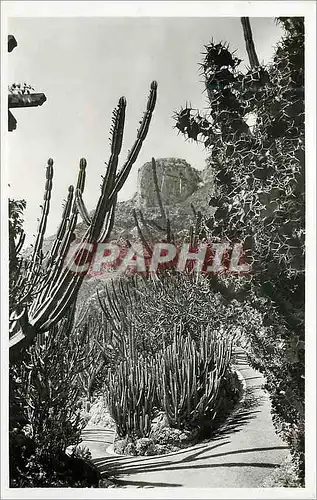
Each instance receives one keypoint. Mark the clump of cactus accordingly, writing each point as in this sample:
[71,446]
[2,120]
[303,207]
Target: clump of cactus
[130,394]
[183,380]
[189,376]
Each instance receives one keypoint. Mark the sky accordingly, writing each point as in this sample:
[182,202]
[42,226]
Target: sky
[84,65]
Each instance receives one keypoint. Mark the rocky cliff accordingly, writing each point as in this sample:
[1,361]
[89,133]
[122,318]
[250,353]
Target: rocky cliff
[182,187]
[177,180]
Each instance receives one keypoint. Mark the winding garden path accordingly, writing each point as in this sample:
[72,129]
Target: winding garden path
[243,454]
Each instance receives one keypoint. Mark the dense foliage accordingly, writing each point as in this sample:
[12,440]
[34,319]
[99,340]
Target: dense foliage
[259,172]
[45,387]
[168,341]
[189,381]
[44,415]
[155,306]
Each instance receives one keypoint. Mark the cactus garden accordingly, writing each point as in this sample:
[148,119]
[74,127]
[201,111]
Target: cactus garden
[149,353]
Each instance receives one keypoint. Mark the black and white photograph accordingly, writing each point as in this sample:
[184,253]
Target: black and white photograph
[158,277]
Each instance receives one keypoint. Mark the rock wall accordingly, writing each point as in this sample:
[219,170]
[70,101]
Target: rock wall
[177,180]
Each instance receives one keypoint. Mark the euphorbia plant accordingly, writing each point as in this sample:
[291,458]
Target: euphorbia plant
[254,133]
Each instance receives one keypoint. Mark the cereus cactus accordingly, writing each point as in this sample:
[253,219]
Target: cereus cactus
[189,377]
[130,392]
[50,287]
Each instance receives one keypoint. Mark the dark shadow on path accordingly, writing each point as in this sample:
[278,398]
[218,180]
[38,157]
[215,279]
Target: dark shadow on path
[113,466]
[113,474]
[252,378]
[129,467]
[111,463]
[196,457]
[145,484]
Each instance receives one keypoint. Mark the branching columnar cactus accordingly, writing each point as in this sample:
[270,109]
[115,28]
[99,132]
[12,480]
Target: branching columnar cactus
[51,286]
[183,379]
[189,376]
[130,393]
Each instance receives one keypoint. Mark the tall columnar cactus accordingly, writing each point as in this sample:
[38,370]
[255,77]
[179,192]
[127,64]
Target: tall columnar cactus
[189,376]
[158,191]
[130,393]
[253,58]
[51,286]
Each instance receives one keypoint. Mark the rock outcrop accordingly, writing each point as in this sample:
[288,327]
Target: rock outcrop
[177,180]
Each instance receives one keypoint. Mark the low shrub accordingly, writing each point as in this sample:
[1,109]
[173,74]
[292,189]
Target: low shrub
[45,418]
[167,439]
[62,471]
[274,351]
[285,476]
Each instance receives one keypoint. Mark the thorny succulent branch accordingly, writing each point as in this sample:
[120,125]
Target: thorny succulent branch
[253,58]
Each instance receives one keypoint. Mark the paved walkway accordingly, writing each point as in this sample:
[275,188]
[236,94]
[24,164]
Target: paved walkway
[243,454]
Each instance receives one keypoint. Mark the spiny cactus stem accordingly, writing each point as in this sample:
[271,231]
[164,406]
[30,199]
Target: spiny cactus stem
[82,175]
[57,308]
[253,58]
[82,207]
[141,135]
[60,286]
[56,272]
[108,225]
[146,226]
[64,247]
[43,221]
[141,235]
[62,228]
[116,144]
